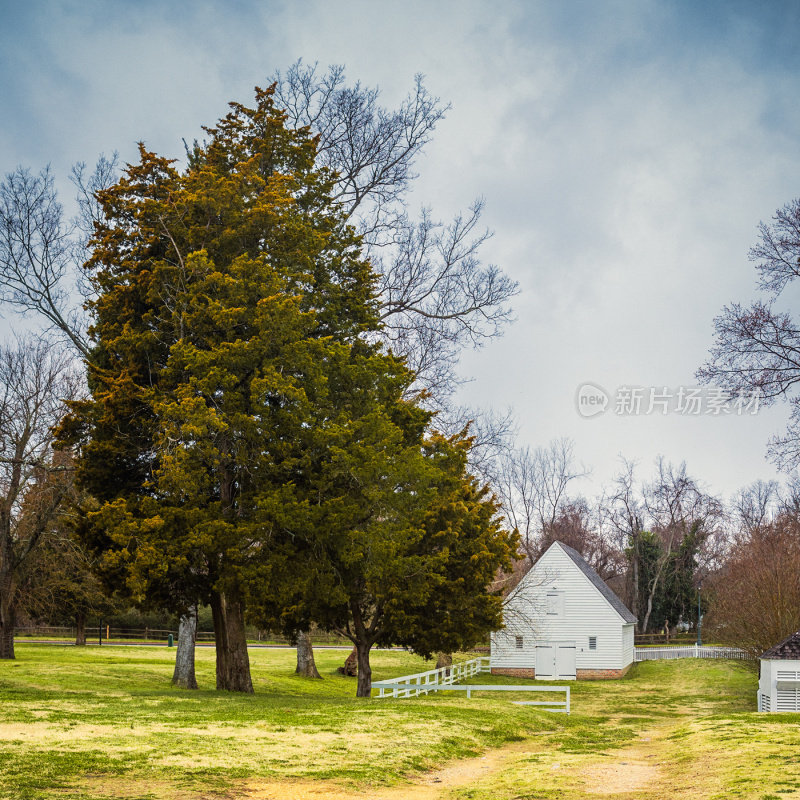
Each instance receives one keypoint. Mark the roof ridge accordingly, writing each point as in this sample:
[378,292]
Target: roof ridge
[788,648]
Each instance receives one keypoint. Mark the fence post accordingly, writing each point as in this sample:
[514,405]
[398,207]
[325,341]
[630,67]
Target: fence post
[567,699]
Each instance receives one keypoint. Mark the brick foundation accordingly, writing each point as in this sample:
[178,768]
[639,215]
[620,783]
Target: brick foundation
[515,672]
[582,674]
[601,674]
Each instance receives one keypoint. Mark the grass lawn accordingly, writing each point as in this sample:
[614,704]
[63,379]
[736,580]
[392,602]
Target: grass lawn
[106,723]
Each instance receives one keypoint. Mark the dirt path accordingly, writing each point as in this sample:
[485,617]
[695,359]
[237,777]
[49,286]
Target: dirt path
[629,773]
[430,786]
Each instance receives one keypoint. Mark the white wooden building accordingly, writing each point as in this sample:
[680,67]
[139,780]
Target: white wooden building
[563,622]
[779,676]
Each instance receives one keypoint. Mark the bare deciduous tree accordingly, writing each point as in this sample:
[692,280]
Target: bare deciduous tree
[756,596]
[371,149]
[492,434]
[675,504]
[41,251]
[35,379]
[437,298]
[755,505]
[435,295]
[533,486]
[671,506]
[576,525]
[757,348]
[623,513]
[37,254]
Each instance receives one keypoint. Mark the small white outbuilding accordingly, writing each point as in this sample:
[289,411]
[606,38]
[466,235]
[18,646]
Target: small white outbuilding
[563,622]
[779,676]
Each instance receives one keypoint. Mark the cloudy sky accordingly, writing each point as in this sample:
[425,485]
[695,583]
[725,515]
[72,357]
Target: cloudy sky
[626,152]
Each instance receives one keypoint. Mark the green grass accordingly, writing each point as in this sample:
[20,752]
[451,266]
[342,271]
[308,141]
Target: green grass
[66,712]
[97,723]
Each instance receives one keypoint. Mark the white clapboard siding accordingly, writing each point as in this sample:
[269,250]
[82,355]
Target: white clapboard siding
[505,653]
[575,612]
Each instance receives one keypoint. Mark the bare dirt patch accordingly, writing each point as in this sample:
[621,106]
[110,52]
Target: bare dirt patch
[430,786]
[622,777]
[630,770]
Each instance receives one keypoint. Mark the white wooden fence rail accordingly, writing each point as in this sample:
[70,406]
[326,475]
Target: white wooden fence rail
[433,680]
[444,680]
[690,651]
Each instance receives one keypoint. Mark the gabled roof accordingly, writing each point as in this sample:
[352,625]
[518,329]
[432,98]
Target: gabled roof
[597,581]
[788,649]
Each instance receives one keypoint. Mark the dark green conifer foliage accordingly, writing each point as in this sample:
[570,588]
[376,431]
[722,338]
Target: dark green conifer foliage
[247,441]
[220,290]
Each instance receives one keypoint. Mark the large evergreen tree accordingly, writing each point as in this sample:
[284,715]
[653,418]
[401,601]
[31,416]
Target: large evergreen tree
[248,440]
[221,290]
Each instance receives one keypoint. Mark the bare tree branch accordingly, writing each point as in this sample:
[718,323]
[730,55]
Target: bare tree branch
[777,254]
[36,378]
[41,253]
[435,295]
[37,253]
[533,488]
[758,348]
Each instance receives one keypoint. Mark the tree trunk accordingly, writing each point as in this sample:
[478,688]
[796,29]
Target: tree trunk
[444,660]
[364,670]
[350,666]
[184,656]
[635,596]
[305,657]
[80,628]
[7,619]
[651,590]
[233,662]
[647,613]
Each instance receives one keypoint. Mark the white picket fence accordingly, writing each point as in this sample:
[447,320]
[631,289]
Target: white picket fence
[690,651]
[447,679]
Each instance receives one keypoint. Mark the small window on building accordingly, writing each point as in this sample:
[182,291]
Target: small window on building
[553,603]
[593,643]
[518,642]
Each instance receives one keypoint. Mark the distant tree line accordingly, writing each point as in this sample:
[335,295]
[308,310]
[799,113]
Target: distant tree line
[664,544]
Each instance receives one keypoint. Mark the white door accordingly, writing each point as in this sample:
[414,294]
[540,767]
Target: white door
[545,661]
[555,661]
[565,661]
